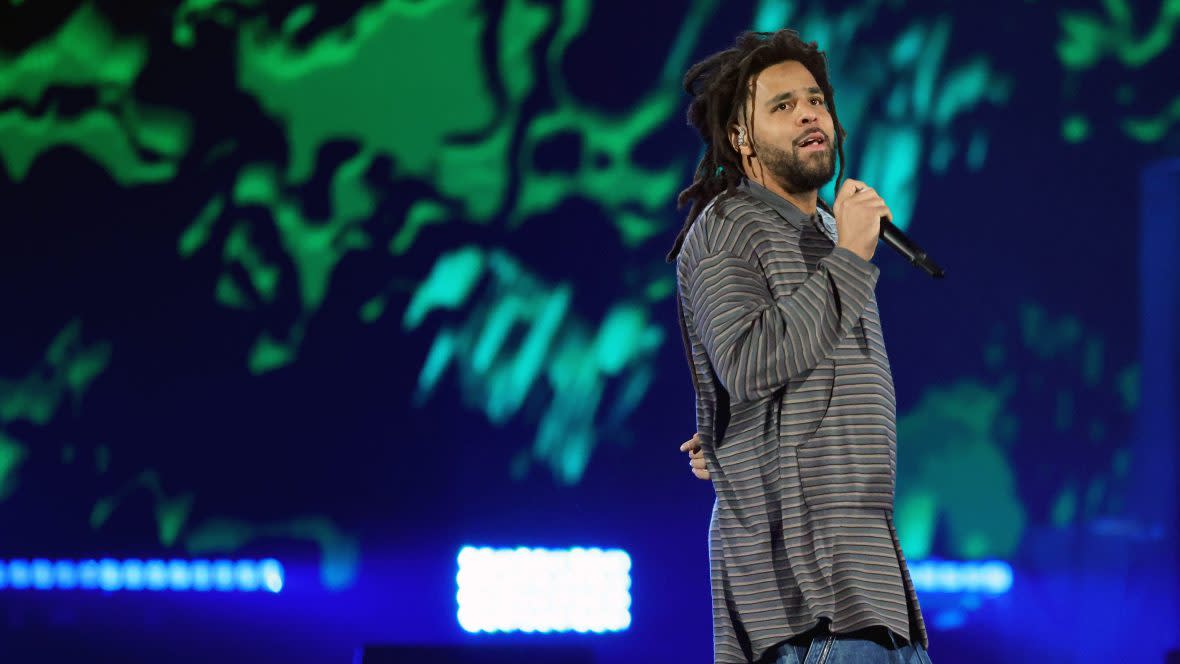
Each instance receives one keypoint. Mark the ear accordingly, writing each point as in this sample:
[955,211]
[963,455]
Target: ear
[740,141]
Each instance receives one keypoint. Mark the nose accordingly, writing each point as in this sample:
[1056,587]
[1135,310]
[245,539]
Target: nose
[807,116]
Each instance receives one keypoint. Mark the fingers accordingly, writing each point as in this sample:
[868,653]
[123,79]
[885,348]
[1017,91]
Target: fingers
[697,463]
[696,457]
[856,190]
[847,190]
[850,187]
[876,204]
[868,197]
[880,208]
[853,192]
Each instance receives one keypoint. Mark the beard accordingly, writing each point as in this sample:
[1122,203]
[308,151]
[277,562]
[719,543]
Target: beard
[797,173]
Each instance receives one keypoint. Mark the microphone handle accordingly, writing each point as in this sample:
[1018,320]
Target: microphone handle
[893,237]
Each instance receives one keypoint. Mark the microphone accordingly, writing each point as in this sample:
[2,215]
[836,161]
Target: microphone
[893,237]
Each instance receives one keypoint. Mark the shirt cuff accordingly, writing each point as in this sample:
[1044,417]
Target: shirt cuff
[848,263]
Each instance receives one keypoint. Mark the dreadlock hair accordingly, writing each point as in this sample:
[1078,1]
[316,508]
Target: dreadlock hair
[720,87]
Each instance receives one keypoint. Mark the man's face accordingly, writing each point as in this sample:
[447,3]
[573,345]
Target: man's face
[793,133]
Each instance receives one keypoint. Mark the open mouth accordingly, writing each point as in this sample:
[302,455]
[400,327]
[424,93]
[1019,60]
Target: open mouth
[814,143]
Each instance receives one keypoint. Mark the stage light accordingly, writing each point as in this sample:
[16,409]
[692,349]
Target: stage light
[543,590]
[179,575]
[272,574]
[156,574]
[87,573]
[42,571]
[246,575]
[67,574]
[133,577]
[110,575]
[202,575]
[223,575]
[18,574]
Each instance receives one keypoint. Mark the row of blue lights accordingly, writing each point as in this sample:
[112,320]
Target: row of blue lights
[543,577]
[109,574]
[992,577]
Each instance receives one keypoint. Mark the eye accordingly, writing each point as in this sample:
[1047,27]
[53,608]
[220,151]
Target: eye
[781,107]
[817,100]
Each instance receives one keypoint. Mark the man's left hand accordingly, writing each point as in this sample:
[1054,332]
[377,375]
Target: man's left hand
[696,457]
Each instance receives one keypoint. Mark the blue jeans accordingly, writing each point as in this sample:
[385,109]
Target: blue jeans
[837,649]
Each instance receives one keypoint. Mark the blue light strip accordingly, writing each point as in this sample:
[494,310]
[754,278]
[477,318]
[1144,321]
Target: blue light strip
[992,577]
[544,590]
[109,574]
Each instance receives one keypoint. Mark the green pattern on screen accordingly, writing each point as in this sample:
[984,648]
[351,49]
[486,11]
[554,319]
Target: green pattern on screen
[134,141]
[60,379]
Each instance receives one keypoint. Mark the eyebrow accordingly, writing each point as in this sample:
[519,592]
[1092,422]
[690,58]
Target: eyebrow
[790,94]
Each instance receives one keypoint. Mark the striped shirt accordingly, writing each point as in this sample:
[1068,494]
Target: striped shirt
[796,412]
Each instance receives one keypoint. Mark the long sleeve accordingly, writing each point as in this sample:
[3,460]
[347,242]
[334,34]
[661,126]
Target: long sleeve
[756,342]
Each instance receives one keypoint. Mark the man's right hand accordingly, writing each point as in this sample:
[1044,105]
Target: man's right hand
[858,210]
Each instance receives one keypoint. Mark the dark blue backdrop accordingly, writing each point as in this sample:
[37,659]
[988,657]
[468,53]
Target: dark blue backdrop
[236,238]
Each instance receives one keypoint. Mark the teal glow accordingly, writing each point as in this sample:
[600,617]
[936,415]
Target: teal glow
[941,154]
[527,338]
[442,352]
[977,151]
[447,286]
[773,15]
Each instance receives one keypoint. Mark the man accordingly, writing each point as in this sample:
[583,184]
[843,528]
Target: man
[795,404]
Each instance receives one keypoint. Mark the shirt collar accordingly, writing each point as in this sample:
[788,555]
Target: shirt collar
[785,208]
